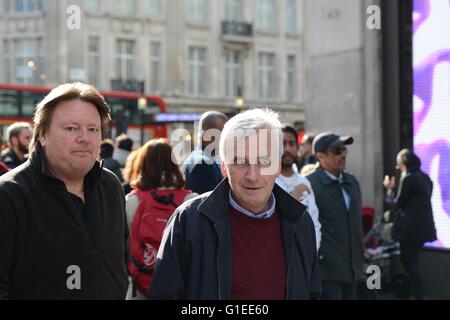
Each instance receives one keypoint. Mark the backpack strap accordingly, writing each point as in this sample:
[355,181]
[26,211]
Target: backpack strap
[164,199]
[142,268]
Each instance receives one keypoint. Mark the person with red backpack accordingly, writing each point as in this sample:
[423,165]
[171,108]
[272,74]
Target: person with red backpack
[158,191]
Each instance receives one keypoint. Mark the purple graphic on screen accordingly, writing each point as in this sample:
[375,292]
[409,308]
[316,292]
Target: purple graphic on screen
[431,116]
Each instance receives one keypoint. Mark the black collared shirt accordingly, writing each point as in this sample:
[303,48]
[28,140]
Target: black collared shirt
[79,205]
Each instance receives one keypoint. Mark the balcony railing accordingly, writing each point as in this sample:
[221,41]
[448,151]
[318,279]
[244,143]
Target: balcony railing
[235,28]
[127,85]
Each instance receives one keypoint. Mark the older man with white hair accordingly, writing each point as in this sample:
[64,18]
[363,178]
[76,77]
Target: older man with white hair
[247,239]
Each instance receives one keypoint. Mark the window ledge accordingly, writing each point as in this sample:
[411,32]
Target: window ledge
[293,35]
[22,15]
[202,26]
[271,33]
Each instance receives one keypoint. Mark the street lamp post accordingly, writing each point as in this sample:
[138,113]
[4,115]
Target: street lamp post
[142,105]
[239,100]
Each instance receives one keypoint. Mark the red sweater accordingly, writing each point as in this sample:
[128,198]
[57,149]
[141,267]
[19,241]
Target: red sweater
[258,265]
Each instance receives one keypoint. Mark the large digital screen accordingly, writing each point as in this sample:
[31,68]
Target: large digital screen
[431,104]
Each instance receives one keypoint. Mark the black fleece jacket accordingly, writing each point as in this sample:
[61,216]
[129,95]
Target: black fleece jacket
[47,249]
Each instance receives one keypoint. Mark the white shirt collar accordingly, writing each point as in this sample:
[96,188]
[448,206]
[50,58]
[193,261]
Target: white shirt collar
[264,215]
[333,177]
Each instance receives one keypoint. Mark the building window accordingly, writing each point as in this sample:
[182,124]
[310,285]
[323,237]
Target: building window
[126,7]
[94,61]
[23,6]
[23,60]
[93,6]
[155,67]
[196,11]
[197,71]
[291,16]
[232,73]
[8,60]
[291,78]
[27,61]
[265,20]
[233,10]
[125,59]
[155,9]
[265,75]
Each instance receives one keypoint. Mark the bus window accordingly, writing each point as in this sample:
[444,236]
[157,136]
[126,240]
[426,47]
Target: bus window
[29,102]
[9,103]
[123,108]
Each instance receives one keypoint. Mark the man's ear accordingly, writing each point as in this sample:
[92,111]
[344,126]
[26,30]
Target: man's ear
[42,139]
[14,141]
[320,156]
[224,169]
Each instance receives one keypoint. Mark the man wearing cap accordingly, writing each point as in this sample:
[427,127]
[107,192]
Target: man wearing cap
[338,198]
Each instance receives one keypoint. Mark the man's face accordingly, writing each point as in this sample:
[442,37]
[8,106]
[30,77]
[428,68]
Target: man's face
[23,140]
[400,165]
[252,173]
[306,149]
[211,136]
[289,150]
[334,158]
[72,142]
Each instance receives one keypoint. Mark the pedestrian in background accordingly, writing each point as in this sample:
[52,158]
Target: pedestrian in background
[338,197]
[306,152]
[414,224]
[298,186]
[159,190]
[106,153]
[130,172]
[200,168]
[18,136]
[123,148]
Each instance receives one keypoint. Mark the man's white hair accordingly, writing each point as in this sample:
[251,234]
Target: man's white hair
[246,123]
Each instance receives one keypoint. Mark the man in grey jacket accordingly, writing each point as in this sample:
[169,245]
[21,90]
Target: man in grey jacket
[338,198]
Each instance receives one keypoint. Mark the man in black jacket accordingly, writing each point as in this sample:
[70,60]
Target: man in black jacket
[247,239]
[338,198]
[62,219]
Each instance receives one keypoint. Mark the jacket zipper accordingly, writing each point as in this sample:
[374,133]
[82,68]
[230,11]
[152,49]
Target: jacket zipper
[217,262]
[290,261]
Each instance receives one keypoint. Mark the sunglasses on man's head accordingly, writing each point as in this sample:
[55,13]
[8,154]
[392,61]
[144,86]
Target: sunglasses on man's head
[338,149]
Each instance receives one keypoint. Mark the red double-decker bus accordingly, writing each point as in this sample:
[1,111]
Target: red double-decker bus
[17,103]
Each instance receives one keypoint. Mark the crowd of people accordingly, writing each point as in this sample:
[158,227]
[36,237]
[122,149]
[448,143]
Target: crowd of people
[250,214]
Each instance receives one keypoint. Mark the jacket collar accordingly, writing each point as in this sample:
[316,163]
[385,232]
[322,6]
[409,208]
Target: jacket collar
[38,162]
[326,180]
[215,205]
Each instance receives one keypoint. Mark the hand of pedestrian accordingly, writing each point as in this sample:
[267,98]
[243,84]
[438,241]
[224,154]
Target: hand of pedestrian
[389,182]
[298,191]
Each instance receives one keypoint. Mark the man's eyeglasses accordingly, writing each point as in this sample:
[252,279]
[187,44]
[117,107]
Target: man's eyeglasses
[338,149]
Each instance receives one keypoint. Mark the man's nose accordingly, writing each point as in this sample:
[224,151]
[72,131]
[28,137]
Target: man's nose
[252,172]
[83,135]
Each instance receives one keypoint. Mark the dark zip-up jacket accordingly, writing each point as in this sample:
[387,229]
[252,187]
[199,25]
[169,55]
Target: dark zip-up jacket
[194,260]
[48,250]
